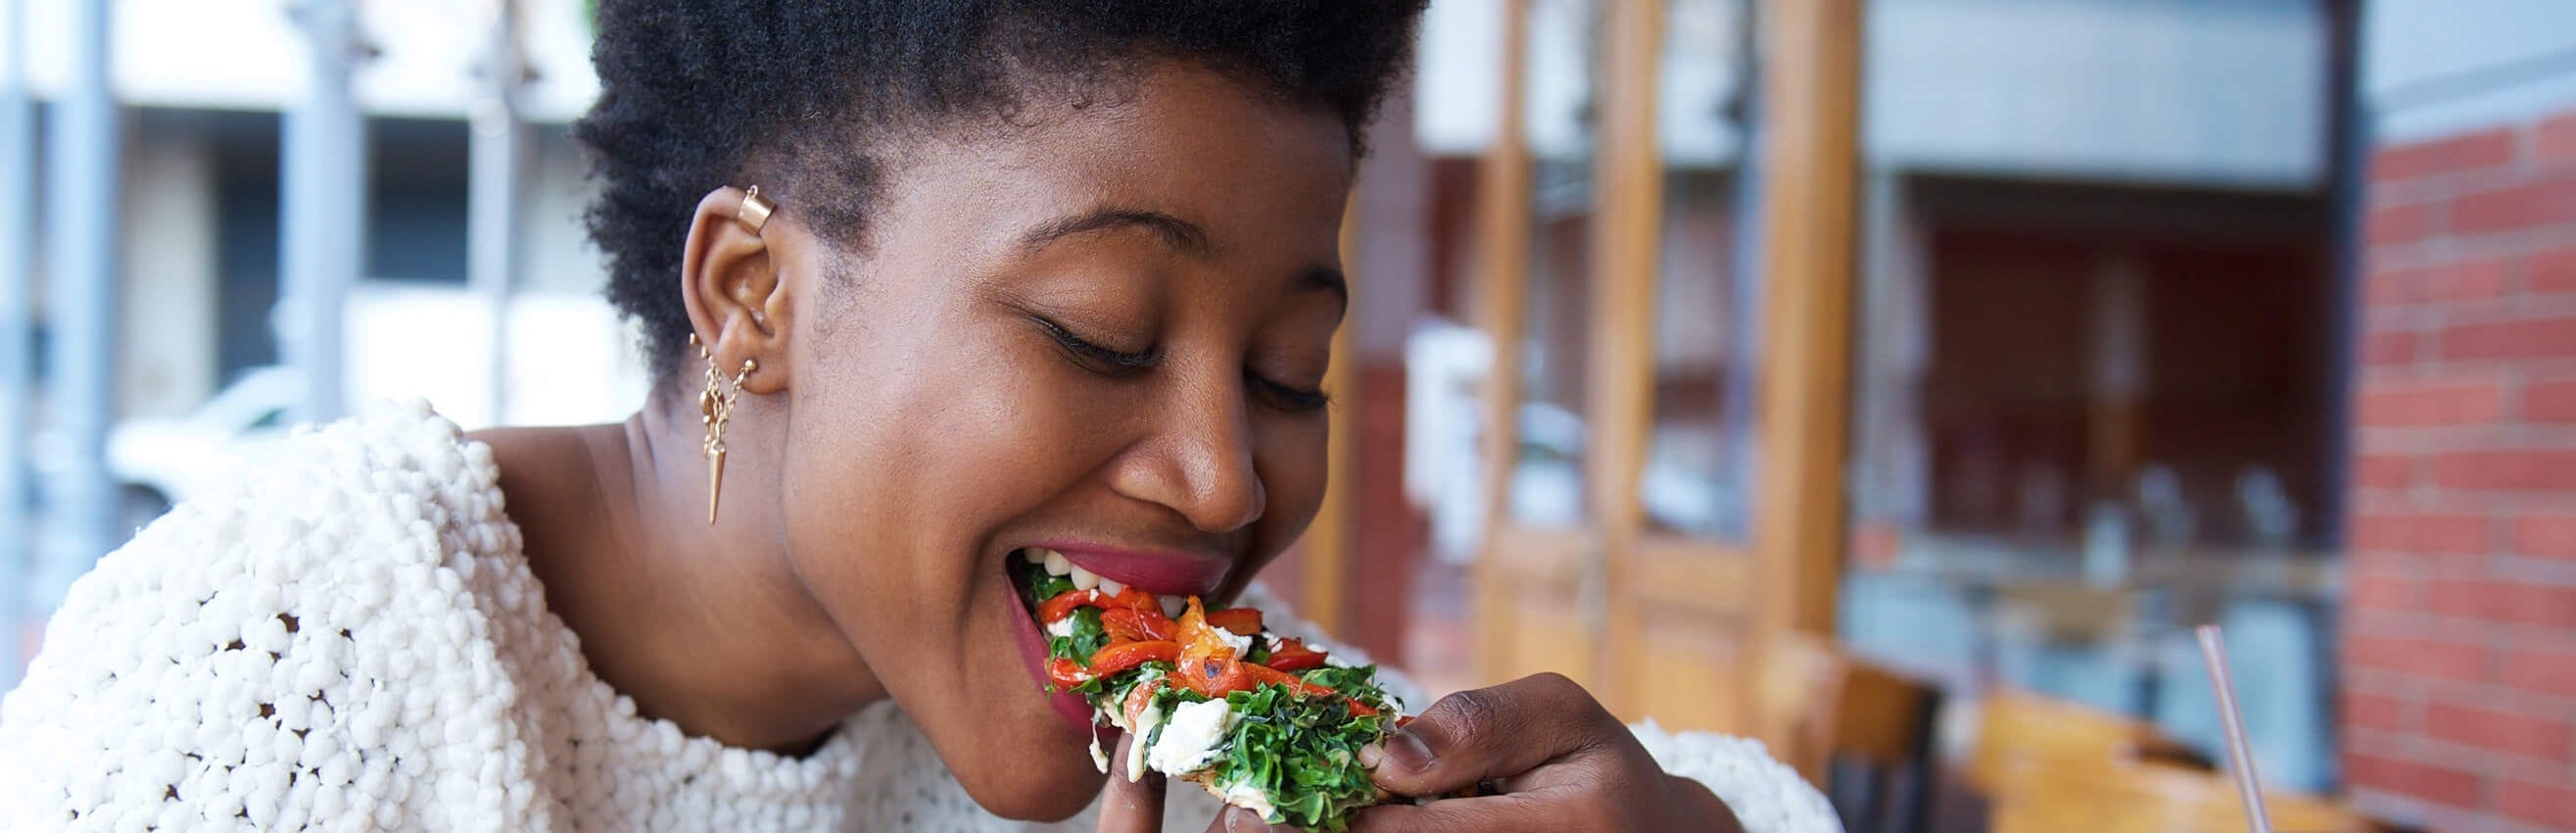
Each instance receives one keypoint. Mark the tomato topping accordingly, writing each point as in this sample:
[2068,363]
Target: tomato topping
[1132,625]
[1293,656]
[1065,603]
[1242,621]
[1126,655]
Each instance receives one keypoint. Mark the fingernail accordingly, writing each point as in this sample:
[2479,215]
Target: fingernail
[1403,751]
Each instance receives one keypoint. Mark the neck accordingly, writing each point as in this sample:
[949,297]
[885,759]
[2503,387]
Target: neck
[703,625]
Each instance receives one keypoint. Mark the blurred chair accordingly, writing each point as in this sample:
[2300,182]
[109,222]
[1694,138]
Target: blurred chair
[1862,731]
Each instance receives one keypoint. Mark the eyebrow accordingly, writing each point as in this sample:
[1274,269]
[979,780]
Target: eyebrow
[1178,233]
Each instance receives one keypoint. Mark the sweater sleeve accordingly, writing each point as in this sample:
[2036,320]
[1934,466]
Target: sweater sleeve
[1766,795]
[136,712]
[266,658]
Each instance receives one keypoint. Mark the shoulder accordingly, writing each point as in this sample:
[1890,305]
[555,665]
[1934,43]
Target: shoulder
[332,509]
[277,606]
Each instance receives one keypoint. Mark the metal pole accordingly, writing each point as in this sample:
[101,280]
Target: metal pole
[17,331]
[497,166]
[323,220]
[83,143]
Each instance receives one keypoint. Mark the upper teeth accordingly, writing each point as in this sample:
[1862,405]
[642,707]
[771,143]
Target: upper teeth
[1056,564]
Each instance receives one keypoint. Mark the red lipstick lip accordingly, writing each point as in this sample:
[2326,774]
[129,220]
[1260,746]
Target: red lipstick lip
[1033,654]
[1160,573]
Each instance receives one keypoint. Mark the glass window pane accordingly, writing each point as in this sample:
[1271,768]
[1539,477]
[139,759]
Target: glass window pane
[1699,464]
[1547,487]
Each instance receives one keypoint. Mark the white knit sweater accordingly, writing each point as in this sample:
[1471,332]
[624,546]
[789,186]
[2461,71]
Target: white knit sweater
[352,640]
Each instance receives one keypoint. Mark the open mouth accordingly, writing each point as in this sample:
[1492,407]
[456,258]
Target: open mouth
[1046,642]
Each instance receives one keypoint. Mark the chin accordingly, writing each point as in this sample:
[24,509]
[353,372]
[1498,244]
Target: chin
[1047,790]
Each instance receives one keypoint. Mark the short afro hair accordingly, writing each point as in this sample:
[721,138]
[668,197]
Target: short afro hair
[811,98]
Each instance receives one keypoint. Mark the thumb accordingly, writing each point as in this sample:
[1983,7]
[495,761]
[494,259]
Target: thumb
[1130,806]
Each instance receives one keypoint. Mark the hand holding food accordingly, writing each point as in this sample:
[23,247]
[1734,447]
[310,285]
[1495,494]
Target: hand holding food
[1556,759]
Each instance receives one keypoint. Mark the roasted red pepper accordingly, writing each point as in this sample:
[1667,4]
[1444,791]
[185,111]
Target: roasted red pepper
[1138,698]
[1220,676]
[1293,656]
[1065,603]
[1265,675]
[1211,667]
[1213,676]
[1126,655]
[1241,621]
[1067,674]
[1132,625]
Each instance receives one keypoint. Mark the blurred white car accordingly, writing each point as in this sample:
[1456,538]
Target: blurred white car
[175,458]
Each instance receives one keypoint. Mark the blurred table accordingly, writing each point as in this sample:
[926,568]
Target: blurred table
[1978,610]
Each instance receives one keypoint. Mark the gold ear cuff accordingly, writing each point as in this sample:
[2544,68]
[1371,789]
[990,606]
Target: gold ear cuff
[755,210]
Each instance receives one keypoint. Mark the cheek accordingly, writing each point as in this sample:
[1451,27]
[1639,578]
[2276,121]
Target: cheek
[1295,461]
[910,462]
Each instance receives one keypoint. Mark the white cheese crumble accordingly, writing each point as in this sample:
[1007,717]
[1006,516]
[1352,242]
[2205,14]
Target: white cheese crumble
[1248,797]
[1189,741]
[1061,628]
[1241,644]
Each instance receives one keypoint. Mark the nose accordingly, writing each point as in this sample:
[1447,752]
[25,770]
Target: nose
[1198,461]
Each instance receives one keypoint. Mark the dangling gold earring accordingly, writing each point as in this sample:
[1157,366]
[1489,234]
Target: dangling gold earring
[715,409]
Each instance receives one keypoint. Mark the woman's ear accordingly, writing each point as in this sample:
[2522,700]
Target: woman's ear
[738,306]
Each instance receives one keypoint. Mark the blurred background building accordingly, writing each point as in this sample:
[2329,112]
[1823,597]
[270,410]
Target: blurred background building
[1894,380]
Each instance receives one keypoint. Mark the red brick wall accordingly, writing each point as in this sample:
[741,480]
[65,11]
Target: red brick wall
[2459,643]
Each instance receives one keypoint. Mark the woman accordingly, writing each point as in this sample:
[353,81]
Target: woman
[1015,275]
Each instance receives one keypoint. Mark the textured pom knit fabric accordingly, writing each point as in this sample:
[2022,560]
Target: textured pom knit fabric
[351,640]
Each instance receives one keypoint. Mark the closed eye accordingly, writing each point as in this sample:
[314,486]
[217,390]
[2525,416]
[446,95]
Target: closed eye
[1292,398]
[1115,361]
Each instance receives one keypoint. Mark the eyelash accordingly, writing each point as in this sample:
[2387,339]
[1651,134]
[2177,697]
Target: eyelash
[1295,399]
[1119,363]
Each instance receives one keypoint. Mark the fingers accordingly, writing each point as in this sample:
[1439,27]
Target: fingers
[1130,807]
[1489,733]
